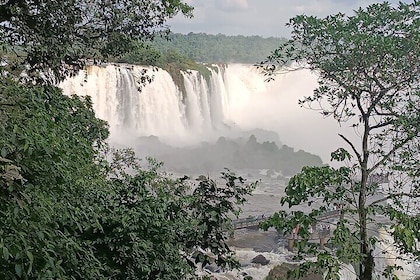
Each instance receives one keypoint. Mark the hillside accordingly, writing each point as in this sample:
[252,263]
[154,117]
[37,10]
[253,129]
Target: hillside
[186,50]
[219,48]
[235,154]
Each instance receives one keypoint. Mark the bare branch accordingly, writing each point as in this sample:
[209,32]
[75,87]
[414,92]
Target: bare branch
[397,195]
[359,157]
[390,153]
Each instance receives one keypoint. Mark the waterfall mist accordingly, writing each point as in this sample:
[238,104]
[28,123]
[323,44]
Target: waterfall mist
[232,101]
[234,98]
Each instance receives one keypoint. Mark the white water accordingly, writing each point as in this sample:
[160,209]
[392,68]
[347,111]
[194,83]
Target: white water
[235,98]
[386,254]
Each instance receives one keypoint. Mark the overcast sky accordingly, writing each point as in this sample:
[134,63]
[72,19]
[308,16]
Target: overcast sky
[257,17]
[267,18]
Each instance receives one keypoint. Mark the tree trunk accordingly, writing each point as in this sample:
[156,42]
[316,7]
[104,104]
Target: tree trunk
[367,263]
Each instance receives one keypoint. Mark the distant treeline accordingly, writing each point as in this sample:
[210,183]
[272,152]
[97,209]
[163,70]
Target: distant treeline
[180,52]
[230,153]
[219,48]
[201,47]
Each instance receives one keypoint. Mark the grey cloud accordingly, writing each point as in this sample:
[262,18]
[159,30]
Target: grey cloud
[231,5]
[258,17]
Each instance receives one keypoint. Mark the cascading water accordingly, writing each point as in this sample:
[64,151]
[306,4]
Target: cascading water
[232,98]
[114,91]
[161,108]
[387,254]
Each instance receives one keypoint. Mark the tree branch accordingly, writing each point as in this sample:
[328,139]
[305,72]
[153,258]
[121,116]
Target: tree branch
[381,124]
[399,195]
[359,157]
[390,153]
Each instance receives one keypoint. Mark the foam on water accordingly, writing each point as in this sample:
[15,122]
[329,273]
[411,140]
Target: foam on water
[234,97]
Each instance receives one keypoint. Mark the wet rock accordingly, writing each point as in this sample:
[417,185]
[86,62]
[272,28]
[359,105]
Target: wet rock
[260,259]
[279,272]
[245,276]
[212,268]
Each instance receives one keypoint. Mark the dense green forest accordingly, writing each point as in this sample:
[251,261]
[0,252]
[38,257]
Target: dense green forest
[219,48]
[201,47]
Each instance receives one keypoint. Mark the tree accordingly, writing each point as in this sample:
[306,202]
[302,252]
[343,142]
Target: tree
[158,227]
[58,36]
[69,211]
[368,68]
[49,149]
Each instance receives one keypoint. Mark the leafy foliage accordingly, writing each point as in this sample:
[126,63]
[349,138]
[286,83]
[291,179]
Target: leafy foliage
[52,141]
[218,48]
[72,209]
[368,69]
[58,36]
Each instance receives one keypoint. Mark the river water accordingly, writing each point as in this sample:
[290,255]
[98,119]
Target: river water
[248,243]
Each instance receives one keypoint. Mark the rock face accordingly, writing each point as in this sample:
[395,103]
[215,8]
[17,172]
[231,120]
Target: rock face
[260,259]
[279,272]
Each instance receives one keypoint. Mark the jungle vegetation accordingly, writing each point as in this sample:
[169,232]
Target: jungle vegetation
[70,206]
[368,69]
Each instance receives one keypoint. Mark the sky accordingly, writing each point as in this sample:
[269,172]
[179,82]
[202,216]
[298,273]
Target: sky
[265,18]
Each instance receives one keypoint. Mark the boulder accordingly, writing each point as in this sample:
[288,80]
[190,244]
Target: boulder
[260,259]
[212,268]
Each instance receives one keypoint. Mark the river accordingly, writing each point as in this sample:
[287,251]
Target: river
[248,243]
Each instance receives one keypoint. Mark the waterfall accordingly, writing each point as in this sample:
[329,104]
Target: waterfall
[157,110]
[204,109]
[387,254]
[231,99]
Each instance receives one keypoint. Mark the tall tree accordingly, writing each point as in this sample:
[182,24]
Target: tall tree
[58,36]
[66,210]
[368,68]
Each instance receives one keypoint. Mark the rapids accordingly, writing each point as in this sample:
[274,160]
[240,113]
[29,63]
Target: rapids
[231,99]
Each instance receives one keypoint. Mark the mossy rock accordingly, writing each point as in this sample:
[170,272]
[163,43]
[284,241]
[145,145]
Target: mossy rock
[279,272]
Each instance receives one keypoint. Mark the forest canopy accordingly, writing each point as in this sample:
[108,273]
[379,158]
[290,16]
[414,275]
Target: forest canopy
[58,36]
[204,48]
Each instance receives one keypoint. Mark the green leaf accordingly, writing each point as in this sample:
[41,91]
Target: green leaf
[6,253]
[3,152]
[18,270]
[30,256]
